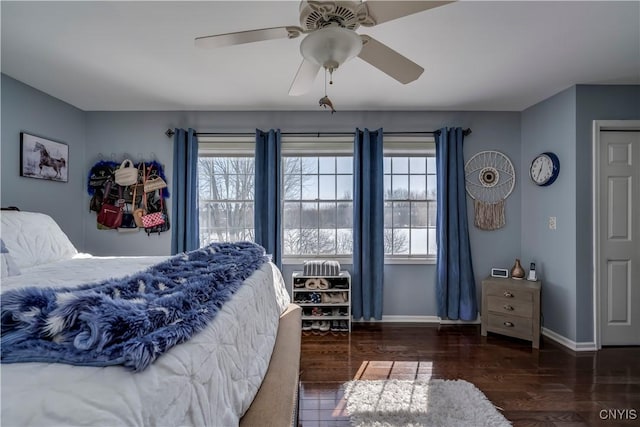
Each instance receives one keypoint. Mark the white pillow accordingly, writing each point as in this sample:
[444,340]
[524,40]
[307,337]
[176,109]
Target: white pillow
[34,238]
[8,266]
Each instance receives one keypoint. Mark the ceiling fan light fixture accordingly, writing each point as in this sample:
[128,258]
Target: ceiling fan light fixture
[331,46]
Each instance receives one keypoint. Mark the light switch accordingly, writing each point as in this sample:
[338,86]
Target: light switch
[552,223]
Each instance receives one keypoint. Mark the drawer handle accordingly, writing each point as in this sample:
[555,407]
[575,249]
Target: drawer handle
[508,307]
[508,324]
[508,294]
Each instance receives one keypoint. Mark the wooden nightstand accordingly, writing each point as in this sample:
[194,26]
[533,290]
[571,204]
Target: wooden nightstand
[511,307]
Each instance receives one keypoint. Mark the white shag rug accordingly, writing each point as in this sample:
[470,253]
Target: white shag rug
[400,403]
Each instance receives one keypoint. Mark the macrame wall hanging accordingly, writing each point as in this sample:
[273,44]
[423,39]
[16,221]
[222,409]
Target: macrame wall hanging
[490,179]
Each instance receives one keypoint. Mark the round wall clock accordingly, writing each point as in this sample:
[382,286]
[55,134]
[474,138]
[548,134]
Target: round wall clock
[544,169]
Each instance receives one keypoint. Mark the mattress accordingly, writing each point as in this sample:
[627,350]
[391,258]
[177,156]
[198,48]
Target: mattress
[209,380]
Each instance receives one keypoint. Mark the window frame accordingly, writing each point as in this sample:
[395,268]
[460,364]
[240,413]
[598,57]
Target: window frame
[227,146]
[410,146]
[316,146]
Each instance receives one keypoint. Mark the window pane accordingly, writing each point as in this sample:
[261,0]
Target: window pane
[250,216]
[309,215]
[400,186]
[387,165]
[292,187]
[218,214]
[345,187]
[344,165]
[291,165]
[401,214]
[401,241]
[345,215]
[387,187]
[431,164]
[327,187]
[431,187]
[327,215]
[417,165]
[327,244]
[218,235]
[419,241]
[344,241]
[236,234]
[388,241]
[291,215]
[399,165]
[309,187]
[417,185]
[432,214]
[291,242]
[388,215]
[327,165]
[419,214]
[433,244]
[309,165]
[308,241]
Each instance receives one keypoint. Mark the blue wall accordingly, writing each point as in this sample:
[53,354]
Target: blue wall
[564,124]
[550,126]
[27,109]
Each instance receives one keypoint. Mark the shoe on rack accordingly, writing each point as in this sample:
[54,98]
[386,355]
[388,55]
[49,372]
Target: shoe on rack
[324,326]
[344,326]
[335,326]
[315,325]
[316,311]
[306,325]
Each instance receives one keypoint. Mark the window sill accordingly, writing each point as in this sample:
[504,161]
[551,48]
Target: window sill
[410,261]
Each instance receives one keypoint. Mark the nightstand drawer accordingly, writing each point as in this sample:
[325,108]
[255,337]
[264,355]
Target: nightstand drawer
[514,326]
[510,306]
[511,292]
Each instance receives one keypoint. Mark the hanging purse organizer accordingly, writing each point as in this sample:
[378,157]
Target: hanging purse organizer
[119,190]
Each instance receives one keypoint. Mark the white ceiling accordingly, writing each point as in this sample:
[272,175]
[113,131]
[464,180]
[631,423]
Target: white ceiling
[477,55]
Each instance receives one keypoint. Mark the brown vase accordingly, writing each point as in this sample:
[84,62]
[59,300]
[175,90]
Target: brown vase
[517,272]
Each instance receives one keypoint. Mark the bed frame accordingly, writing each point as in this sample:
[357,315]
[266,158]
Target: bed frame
[276,403]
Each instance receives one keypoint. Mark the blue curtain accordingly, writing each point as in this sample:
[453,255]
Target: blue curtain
[368,225]
[267,209]
[184,227]
[455,286]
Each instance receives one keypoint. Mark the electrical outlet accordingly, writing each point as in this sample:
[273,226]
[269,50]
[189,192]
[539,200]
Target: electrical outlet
[552,223]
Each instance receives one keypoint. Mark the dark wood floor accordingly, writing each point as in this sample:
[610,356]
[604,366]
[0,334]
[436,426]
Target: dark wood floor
[552,386]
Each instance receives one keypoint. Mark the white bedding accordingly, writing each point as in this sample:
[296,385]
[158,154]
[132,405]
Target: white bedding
[208,381]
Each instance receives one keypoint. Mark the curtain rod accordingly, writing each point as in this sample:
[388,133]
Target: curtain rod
[170,133]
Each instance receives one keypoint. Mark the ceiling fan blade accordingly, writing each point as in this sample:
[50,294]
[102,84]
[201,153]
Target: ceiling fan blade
[389,61]
[241,37]
[385,10]
[304,78]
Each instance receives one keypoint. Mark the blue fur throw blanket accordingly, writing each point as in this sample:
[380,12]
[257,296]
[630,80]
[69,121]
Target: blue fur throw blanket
[129,321]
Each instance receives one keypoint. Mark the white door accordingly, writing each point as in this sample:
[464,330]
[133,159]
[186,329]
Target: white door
[619,212]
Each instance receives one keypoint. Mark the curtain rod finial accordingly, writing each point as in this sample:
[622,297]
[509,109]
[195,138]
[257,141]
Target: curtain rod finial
[169,133]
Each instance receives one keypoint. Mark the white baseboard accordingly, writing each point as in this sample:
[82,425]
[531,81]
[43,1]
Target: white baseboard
[420,319]
[572,345]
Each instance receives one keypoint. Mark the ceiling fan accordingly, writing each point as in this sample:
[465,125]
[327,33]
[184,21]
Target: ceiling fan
[331,38]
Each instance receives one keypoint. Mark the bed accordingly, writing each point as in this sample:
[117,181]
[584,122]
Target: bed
[242,369]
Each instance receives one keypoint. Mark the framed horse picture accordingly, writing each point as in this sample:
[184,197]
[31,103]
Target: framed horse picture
[43,158]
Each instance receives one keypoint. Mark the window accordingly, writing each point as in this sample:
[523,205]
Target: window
[317,210]
[409,200]
[226,192]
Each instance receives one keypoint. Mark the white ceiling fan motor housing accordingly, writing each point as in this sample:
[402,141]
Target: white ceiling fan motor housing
[315,14]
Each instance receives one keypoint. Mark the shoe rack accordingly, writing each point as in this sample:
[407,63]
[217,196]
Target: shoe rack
[325,302]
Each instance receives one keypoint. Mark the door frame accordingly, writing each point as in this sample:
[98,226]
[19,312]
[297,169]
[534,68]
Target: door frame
[599,126]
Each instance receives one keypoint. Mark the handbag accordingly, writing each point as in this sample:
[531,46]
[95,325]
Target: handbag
[160,218]
[128,219]
[153,183]
[126,174]
[110,216]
